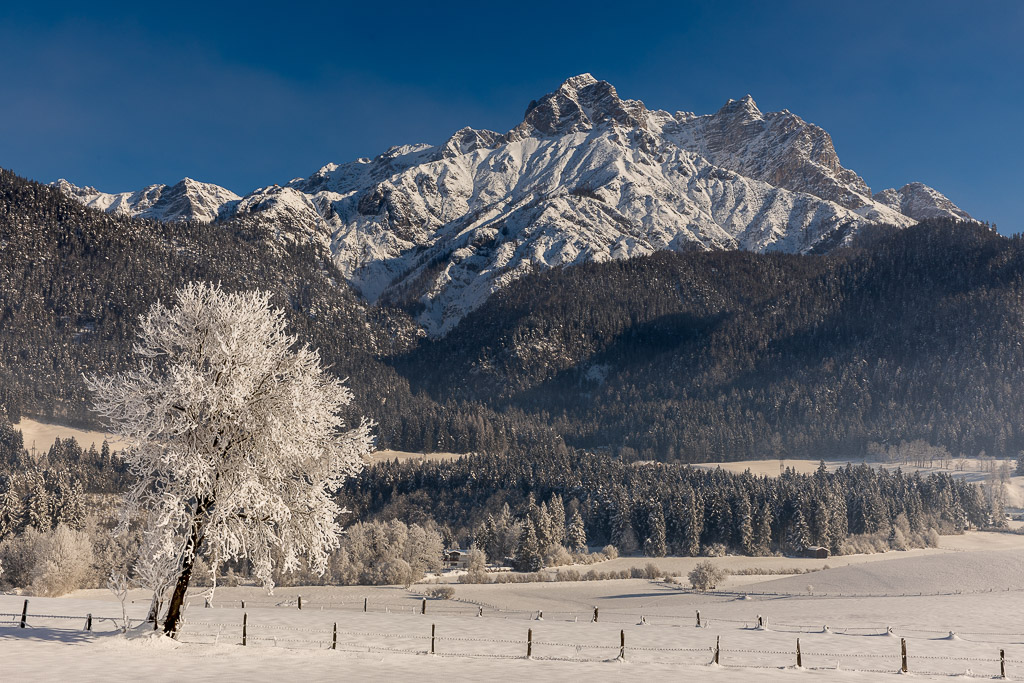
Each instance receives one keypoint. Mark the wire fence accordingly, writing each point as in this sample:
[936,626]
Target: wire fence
[889,655]
[459,607]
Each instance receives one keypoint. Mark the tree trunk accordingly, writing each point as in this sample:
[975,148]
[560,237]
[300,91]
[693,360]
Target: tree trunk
[188,562]
[154,608]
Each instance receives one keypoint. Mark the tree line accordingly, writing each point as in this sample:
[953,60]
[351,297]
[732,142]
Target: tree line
[539,502]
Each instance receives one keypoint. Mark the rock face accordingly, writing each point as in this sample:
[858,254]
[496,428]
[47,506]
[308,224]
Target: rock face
[586,176]
[778,148]
[918,201]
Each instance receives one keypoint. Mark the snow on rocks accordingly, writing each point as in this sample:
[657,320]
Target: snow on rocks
[586,176]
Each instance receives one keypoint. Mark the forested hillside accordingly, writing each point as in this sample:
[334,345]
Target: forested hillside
[908,334]
[74,280]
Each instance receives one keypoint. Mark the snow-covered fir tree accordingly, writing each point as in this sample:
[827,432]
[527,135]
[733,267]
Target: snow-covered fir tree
[576,535]
[236,441]
[556,509]
[744,526]
[799,536]
[623,534]
[541,519]
[528,554]
[693,524]
[762,528]
[654,543]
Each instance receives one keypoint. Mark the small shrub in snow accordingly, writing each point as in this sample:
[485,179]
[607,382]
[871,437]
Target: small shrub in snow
[705,576]
[588,558]
[715,550]
[557,557]
[441,593]
[610,551]
[567,575]
[475,577]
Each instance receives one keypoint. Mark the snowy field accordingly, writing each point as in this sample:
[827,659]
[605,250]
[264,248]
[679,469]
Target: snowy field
[972,469]
[41,435]
[975,470]
[405,456]
[850,620]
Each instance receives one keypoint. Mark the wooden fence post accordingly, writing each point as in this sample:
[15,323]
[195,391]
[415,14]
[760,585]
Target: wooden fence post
[24,615]
[432,631]
[300,602]
[88,622]
[903,652]
[207,605]
[718,644]
[243,604]
[760,621]
[334,638]
[365,602]
[698,618]
[245,623]
[529,643]
[595,615]
[799,661]
[423,607]
[622,645]
[1002,663]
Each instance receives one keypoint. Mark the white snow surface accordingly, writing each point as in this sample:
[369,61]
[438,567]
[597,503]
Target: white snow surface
[976,595]
[587,176]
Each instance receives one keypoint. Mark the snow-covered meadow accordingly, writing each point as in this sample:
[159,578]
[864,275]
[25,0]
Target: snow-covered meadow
[972,588]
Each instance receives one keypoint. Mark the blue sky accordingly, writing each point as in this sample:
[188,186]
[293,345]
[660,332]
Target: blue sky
[248,94]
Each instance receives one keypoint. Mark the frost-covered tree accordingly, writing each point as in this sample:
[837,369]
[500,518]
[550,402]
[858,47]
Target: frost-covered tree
[705,576]
[556,509]
[528,555]
[743,519]
[236,441]
[576,538]
[623,534]
[11,509]
[799,536]
[654,543]
[39,511]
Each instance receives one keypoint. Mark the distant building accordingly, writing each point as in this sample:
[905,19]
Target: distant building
[455,559]
[816,551]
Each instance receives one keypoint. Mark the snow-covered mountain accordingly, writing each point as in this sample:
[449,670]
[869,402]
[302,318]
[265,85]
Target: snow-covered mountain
[185,200]
[586,176]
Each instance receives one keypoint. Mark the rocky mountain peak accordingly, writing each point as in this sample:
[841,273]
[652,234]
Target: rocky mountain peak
[744,108]
[581,103]
[920,202]
[468,140]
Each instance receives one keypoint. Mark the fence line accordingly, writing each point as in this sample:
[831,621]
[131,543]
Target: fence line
[757,622]
[199,632]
